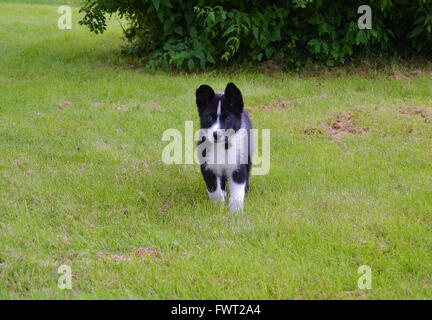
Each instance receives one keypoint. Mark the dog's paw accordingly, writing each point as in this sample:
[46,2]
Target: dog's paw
[217,196]
[236,204]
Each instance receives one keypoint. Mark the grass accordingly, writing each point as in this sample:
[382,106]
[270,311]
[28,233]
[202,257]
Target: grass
[83,178]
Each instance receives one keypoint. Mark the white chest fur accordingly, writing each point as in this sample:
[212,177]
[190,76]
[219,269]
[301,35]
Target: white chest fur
[222,161]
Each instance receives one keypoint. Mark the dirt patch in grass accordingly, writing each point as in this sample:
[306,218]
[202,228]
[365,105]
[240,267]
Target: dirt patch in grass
[399,75]
[140,253]
[274,106]
[146,252]
[148,106]
[321,96]
[63,104]
[356,294]
[96,105]
[123,108]
[421,113]
[400,70]
[153,106]
[338,127]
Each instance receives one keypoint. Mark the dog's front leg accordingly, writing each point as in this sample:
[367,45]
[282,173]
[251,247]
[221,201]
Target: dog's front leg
[237,186]
[215,185]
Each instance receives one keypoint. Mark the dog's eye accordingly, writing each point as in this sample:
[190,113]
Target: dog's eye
[210,118]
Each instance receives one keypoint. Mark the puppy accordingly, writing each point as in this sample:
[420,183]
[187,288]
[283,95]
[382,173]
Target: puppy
[225,147]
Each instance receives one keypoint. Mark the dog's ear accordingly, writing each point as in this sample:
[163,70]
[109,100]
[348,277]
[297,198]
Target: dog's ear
[234,98]
[204,94]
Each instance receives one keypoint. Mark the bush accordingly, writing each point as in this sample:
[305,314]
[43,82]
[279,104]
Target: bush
[194,34]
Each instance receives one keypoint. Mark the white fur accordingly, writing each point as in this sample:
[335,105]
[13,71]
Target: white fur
[225,161]
[237,193]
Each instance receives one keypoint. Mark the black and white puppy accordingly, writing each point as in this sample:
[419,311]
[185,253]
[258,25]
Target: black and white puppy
[225,144]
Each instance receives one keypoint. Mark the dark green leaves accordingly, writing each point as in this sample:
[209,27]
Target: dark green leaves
[190,35]
[156,4]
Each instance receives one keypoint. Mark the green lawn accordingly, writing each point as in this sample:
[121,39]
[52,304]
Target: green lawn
[82,181]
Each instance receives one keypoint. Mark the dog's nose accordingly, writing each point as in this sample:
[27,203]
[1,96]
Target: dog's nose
[216,135]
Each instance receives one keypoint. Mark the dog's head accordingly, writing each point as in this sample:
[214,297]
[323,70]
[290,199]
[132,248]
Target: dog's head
[219,113]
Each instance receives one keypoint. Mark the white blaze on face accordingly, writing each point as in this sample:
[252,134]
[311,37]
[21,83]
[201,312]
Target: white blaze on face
[216,126]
